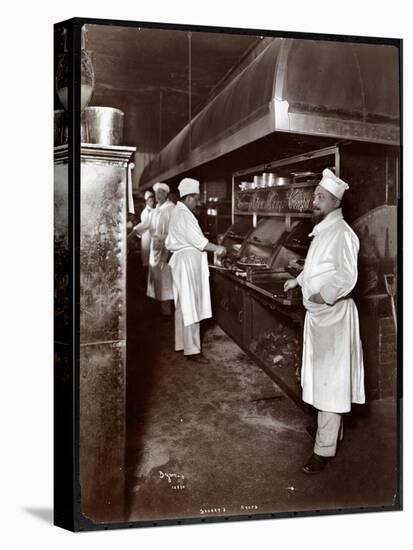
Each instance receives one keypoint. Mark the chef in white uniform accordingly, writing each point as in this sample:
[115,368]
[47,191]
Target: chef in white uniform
[190,272]
[332,375]
[145,219]
[159,284]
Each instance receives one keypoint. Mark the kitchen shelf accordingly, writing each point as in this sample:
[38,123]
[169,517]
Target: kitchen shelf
[312,161]
[312,183]
[275,214]
[222,216]
[295,160]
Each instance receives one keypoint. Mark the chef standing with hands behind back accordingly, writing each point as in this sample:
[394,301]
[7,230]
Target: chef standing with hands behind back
[159,286]
[190,272]
[332,374]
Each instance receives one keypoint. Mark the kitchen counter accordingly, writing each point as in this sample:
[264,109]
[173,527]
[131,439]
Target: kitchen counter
[270,289]
[246,311]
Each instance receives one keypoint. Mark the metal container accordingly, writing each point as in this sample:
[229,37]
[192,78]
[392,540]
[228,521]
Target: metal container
[236,249]
[102,125]
[282,180]
[257,182]
[269,178]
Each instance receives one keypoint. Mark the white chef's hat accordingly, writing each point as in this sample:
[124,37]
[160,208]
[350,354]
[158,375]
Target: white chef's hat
[159,186]
[332,183]
[148,194]
[188,186]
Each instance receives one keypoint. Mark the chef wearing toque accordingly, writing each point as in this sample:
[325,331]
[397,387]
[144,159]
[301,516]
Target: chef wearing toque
[332,375]
[190,272]
[159,275]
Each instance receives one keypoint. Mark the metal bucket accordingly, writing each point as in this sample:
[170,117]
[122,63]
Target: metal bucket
[102,125]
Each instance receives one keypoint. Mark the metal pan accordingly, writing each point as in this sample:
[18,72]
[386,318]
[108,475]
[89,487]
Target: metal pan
[282,180]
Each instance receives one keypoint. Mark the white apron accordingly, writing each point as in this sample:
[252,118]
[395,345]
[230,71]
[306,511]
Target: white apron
[189,265]
[190,275]
[146,236]
[160,284]
[332,374]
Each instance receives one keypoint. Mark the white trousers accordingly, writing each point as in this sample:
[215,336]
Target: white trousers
[186,338]
[329,430]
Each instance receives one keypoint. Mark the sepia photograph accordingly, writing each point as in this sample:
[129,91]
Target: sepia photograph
[230,204]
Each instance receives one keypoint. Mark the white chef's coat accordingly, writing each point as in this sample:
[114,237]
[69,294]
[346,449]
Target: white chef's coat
[332,374]
[189,264]
[146,236]
[160,284]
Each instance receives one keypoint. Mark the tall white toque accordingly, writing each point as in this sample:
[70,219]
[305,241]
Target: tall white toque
[161,186]
[188,186]
[332,183]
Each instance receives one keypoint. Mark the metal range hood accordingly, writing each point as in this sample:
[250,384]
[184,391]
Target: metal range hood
[324,88]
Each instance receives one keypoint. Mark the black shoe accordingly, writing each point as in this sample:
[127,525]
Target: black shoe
[198,358]
[316,464]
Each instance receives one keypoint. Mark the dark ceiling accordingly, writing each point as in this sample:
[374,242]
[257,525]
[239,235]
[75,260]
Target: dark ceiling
[145,73]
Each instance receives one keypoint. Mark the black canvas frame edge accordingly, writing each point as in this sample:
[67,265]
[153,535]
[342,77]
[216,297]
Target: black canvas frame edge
[66,406]
[235,30]
[67,513]
[63,382]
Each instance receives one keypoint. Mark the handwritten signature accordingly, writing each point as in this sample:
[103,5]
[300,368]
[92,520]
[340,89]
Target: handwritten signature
[170,476]
[176,481]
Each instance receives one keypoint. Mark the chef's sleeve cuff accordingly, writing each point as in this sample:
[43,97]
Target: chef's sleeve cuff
[328,294]
[299,279]
[203,243]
